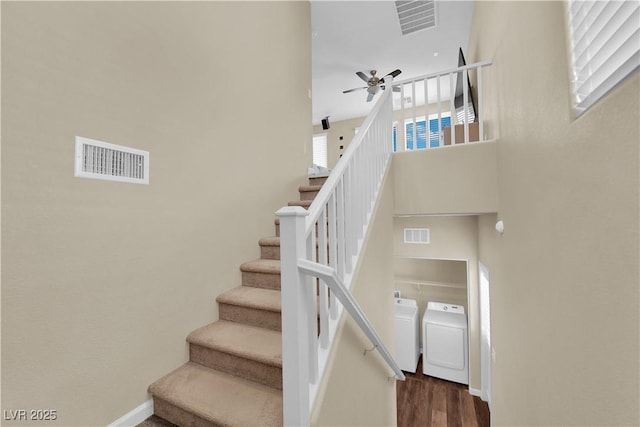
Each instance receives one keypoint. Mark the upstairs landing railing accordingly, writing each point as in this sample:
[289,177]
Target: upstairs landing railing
[319,253]
[440,109]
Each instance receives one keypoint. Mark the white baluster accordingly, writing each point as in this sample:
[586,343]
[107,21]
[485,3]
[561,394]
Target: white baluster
[324,290]
[340,239]
[452,108]
[439,96]
[426,113]
[312,312]
[413,114]
[401,130]
[333,248]
[479,113]
[465,101]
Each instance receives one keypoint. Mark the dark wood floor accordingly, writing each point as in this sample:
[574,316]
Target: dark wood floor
[431,402]
[156,421]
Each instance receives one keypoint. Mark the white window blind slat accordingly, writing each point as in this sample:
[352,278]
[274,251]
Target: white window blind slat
[578,8]
[605,43]
[609,20]
[627,68]
[602,67]
[585,18]
[320,150]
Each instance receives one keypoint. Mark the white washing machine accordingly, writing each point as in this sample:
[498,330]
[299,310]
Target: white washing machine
[445,352]
[407,334]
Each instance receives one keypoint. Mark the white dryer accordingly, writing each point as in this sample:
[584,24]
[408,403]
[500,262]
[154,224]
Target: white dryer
[445,352]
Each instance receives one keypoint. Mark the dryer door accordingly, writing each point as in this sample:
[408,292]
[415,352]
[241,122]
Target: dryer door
[445,346]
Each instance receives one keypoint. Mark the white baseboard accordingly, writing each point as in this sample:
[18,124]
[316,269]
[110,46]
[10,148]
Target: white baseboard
[135,416]
[475,392]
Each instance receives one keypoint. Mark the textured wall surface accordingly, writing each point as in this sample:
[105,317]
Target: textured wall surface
[564,275]
[102,281]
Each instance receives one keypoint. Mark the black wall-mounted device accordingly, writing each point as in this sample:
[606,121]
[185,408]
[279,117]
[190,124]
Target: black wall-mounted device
[325,123]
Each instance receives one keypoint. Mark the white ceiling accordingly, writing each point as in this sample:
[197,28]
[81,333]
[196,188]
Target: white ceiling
[350,36]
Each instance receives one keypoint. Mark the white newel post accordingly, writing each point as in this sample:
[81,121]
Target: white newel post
[295,346]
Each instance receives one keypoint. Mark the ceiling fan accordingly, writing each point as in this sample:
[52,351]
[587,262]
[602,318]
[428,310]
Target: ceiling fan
[374,83]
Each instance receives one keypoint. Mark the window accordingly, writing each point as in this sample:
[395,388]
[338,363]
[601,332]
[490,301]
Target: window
[394,136]
[320,150]
[605,47]
[421,132]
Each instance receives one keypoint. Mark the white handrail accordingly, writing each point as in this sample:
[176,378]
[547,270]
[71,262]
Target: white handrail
[444,73]
[329,276]
[323,195]
[329,234]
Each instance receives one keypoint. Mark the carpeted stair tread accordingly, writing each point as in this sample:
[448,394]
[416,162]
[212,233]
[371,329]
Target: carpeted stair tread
[266,266]
[270,247]
[303,203]
[317,180]
[309,188]
[249,342]
[269,241]
[247,296]
[219,398]
[308,192]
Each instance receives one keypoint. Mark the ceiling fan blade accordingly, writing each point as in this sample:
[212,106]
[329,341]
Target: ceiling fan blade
[363,76]
[353,90]
[395,73]
[369,97]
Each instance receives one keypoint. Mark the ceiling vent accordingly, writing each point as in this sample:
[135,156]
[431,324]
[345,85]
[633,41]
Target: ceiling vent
[416,15]
[101,160]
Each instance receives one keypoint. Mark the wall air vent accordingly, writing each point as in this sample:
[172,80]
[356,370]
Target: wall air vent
[416,235]
[101,160]
[416,15]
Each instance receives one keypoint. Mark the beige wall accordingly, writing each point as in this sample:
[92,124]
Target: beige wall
[344,129]
[451,238]
[564,275]
[357,391]
[102,281]
[459,179]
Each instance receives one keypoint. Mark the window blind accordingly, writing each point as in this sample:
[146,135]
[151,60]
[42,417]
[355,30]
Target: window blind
[320,150]
[434,132]
[421,133]
[605,43]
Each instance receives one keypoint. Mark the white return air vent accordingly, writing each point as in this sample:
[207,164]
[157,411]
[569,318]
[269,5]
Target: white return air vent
[416,15]
[416,235]
[101,160]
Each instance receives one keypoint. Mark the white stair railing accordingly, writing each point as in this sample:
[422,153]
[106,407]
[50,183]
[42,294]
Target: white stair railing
[432,97]
[319,253]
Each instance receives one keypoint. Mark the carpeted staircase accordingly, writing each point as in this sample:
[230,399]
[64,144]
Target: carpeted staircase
[234,373]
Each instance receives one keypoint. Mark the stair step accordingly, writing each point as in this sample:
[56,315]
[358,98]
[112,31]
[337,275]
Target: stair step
[304,203]
[251,306]
[308,192]
[194,395]
[247,351]
[261,273]
[270,247]
[318,180]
